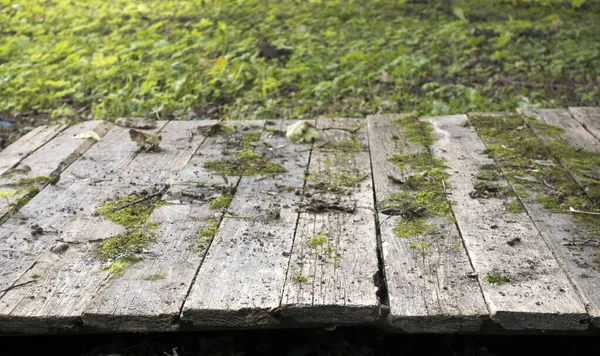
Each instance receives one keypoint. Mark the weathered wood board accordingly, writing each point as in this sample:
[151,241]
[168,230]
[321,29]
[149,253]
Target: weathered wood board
[57,204]
[589,118]
[432,291]
[523,284]
[62,280]
[316,245]
[241,280]
[574,243]
[333,264]
[31,174]
[27,144]
[150,294]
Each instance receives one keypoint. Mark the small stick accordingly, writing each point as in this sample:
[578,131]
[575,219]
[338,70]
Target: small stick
[581,212]
[17,285]
[342,129]
[548,184]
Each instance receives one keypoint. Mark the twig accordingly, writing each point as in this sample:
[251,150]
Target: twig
[17,285]
[581,212]
[342,129]
[548,185]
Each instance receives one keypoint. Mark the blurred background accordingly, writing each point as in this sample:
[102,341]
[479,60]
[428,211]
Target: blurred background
[63,61]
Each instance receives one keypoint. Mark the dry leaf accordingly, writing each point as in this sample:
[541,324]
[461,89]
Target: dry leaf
[301,131]
[136,122]
[89,134]
[214,128]
[146,141]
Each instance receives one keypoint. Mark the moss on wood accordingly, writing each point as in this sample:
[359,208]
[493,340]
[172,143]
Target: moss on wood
[132,212]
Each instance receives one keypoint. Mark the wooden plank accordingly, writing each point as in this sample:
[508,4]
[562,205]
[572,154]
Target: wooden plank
[241,280]
[531,290]
[150,294]
[575,134]
[71,280]
[58,204]
[589,118]
[428,292]
[334,257]
[27,144]
[52,158]
[571,240]
[61,291]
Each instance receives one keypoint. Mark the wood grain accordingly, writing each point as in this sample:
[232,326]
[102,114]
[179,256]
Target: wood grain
[241,280]
[52,158]
[573,242]
[589,118]
[537,294]
[27,144]
[333,282]
[56,205]
[136,302]
[430,292]
[71,277]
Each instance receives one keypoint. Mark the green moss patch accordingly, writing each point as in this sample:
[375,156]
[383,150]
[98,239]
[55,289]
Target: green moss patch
[154,277]
[221,202]
[488,172]
[533,168]
[245,163]
[132,212]
[318,240]
[496,279]
[423,183]
[532,165]
[206,233]
[421,247]
[27,188]
[337,175]
[352,145]
[514,206]
[299,278]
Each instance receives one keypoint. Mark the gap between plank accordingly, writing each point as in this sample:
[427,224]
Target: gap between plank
[384,298]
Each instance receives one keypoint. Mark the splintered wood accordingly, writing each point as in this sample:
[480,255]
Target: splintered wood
[431,225]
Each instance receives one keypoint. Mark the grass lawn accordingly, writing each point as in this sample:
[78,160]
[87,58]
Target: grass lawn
[68,60]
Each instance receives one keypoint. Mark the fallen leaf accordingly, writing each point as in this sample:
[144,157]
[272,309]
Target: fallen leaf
[301,131]
[146,141]
[136,122]
[219,126]
[89,134]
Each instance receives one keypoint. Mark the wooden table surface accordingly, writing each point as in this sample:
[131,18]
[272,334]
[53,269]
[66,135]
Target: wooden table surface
[307,246]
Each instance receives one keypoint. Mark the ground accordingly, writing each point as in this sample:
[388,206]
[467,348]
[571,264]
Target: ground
[70,60]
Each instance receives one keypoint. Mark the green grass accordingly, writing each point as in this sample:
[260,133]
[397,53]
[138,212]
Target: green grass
[64,61]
